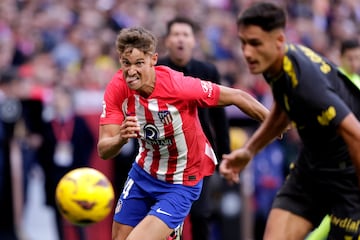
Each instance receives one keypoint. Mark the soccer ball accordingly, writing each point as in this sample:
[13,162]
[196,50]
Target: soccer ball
[84,196]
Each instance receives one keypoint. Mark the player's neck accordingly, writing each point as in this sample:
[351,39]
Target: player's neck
[276,69]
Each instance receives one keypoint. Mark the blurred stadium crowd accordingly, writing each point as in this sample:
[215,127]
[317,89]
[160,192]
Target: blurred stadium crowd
[46,43]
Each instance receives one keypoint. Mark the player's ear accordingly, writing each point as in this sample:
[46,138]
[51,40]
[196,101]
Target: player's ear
[154,59]
[280,40]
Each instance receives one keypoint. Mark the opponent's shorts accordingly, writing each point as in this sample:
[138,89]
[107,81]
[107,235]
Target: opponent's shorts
[144,195]
[312,196]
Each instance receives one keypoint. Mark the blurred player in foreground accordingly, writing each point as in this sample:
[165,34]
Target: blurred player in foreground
[158,106]
[324,106]
[350,66]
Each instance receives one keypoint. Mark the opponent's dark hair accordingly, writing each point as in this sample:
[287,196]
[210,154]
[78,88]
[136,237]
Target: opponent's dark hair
[136,37]
[349,44]
[266,15]
[181,19]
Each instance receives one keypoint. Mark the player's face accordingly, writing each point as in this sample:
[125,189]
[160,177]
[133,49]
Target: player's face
[180,42]
[138,70]
[262,50]
[350,60]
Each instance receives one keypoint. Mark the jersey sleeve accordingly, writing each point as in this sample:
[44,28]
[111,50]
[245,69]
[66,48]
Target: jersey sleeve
[314,89]
[112,111]
[329,108]
[203,92]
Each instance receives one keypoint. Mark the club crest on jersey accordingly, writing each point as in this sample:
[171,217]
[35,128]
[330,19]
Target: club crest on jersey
[165,117]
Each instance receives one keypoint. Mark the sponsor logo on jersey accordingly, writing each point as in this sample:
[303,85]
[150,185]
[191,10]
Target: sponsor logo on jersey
[326,116]
[166,142]
[151,131]
[152,136]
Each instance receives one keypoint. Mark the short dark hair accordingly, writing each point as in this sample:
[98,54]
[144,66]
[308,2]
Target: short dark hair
[180,19]
[349,44]
[266,15]
[136,37]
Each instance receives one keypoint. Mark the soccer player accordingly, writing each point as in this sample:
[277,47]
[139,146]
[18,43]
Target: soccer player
[324,106]
[350,60]
[350,66]
[180,43]
[158,106]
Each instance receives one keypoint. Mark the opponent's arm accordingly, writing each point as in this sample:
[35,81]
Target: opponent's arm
[112,137]
[244,101]
[273,126]
[349,129]
[276,123]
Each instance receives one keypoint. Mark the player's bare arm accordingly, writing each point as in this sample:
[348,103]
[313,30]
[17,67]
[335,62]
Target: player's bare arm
[112,137]
[244,101]
[273,126]
[276,123]
[349,129]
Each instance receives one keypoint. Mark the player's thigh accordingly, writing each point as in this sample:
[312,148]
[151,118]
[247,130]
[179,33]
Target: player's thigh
[150,228]
[284,225]
[120,231]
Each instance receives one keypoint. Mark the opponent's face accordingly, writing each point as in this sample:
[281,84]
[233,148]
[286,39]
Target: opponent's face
[180,43]
[138,69]
[262,50]
[350,60]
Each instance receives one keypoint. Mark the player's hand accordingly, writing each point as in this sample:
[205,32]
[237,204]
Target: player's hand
[129,128]
[232,164]
[285,130]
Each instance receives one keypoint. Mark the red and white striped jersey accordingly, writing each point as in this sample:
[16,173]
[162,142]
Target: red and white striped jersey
[173,147]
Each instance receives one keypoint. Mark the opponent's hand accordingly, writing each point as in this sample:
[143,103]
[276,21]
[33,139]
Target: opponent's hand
[232,164]
[129,128]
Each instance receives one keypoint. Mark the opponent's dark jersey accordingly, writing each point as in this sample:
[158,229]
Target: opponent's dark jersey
[317,97]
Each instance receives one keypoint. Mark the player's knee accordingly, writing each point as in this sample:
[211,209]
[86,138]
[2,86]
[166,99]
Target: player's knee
[120,232]
[116,236]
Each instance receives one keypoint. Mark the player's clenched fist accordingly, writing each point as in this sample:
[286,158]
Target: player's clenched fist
[129,128]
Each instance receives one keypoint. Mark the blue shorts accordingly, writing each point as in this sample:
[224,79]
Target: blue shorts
[144,195]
